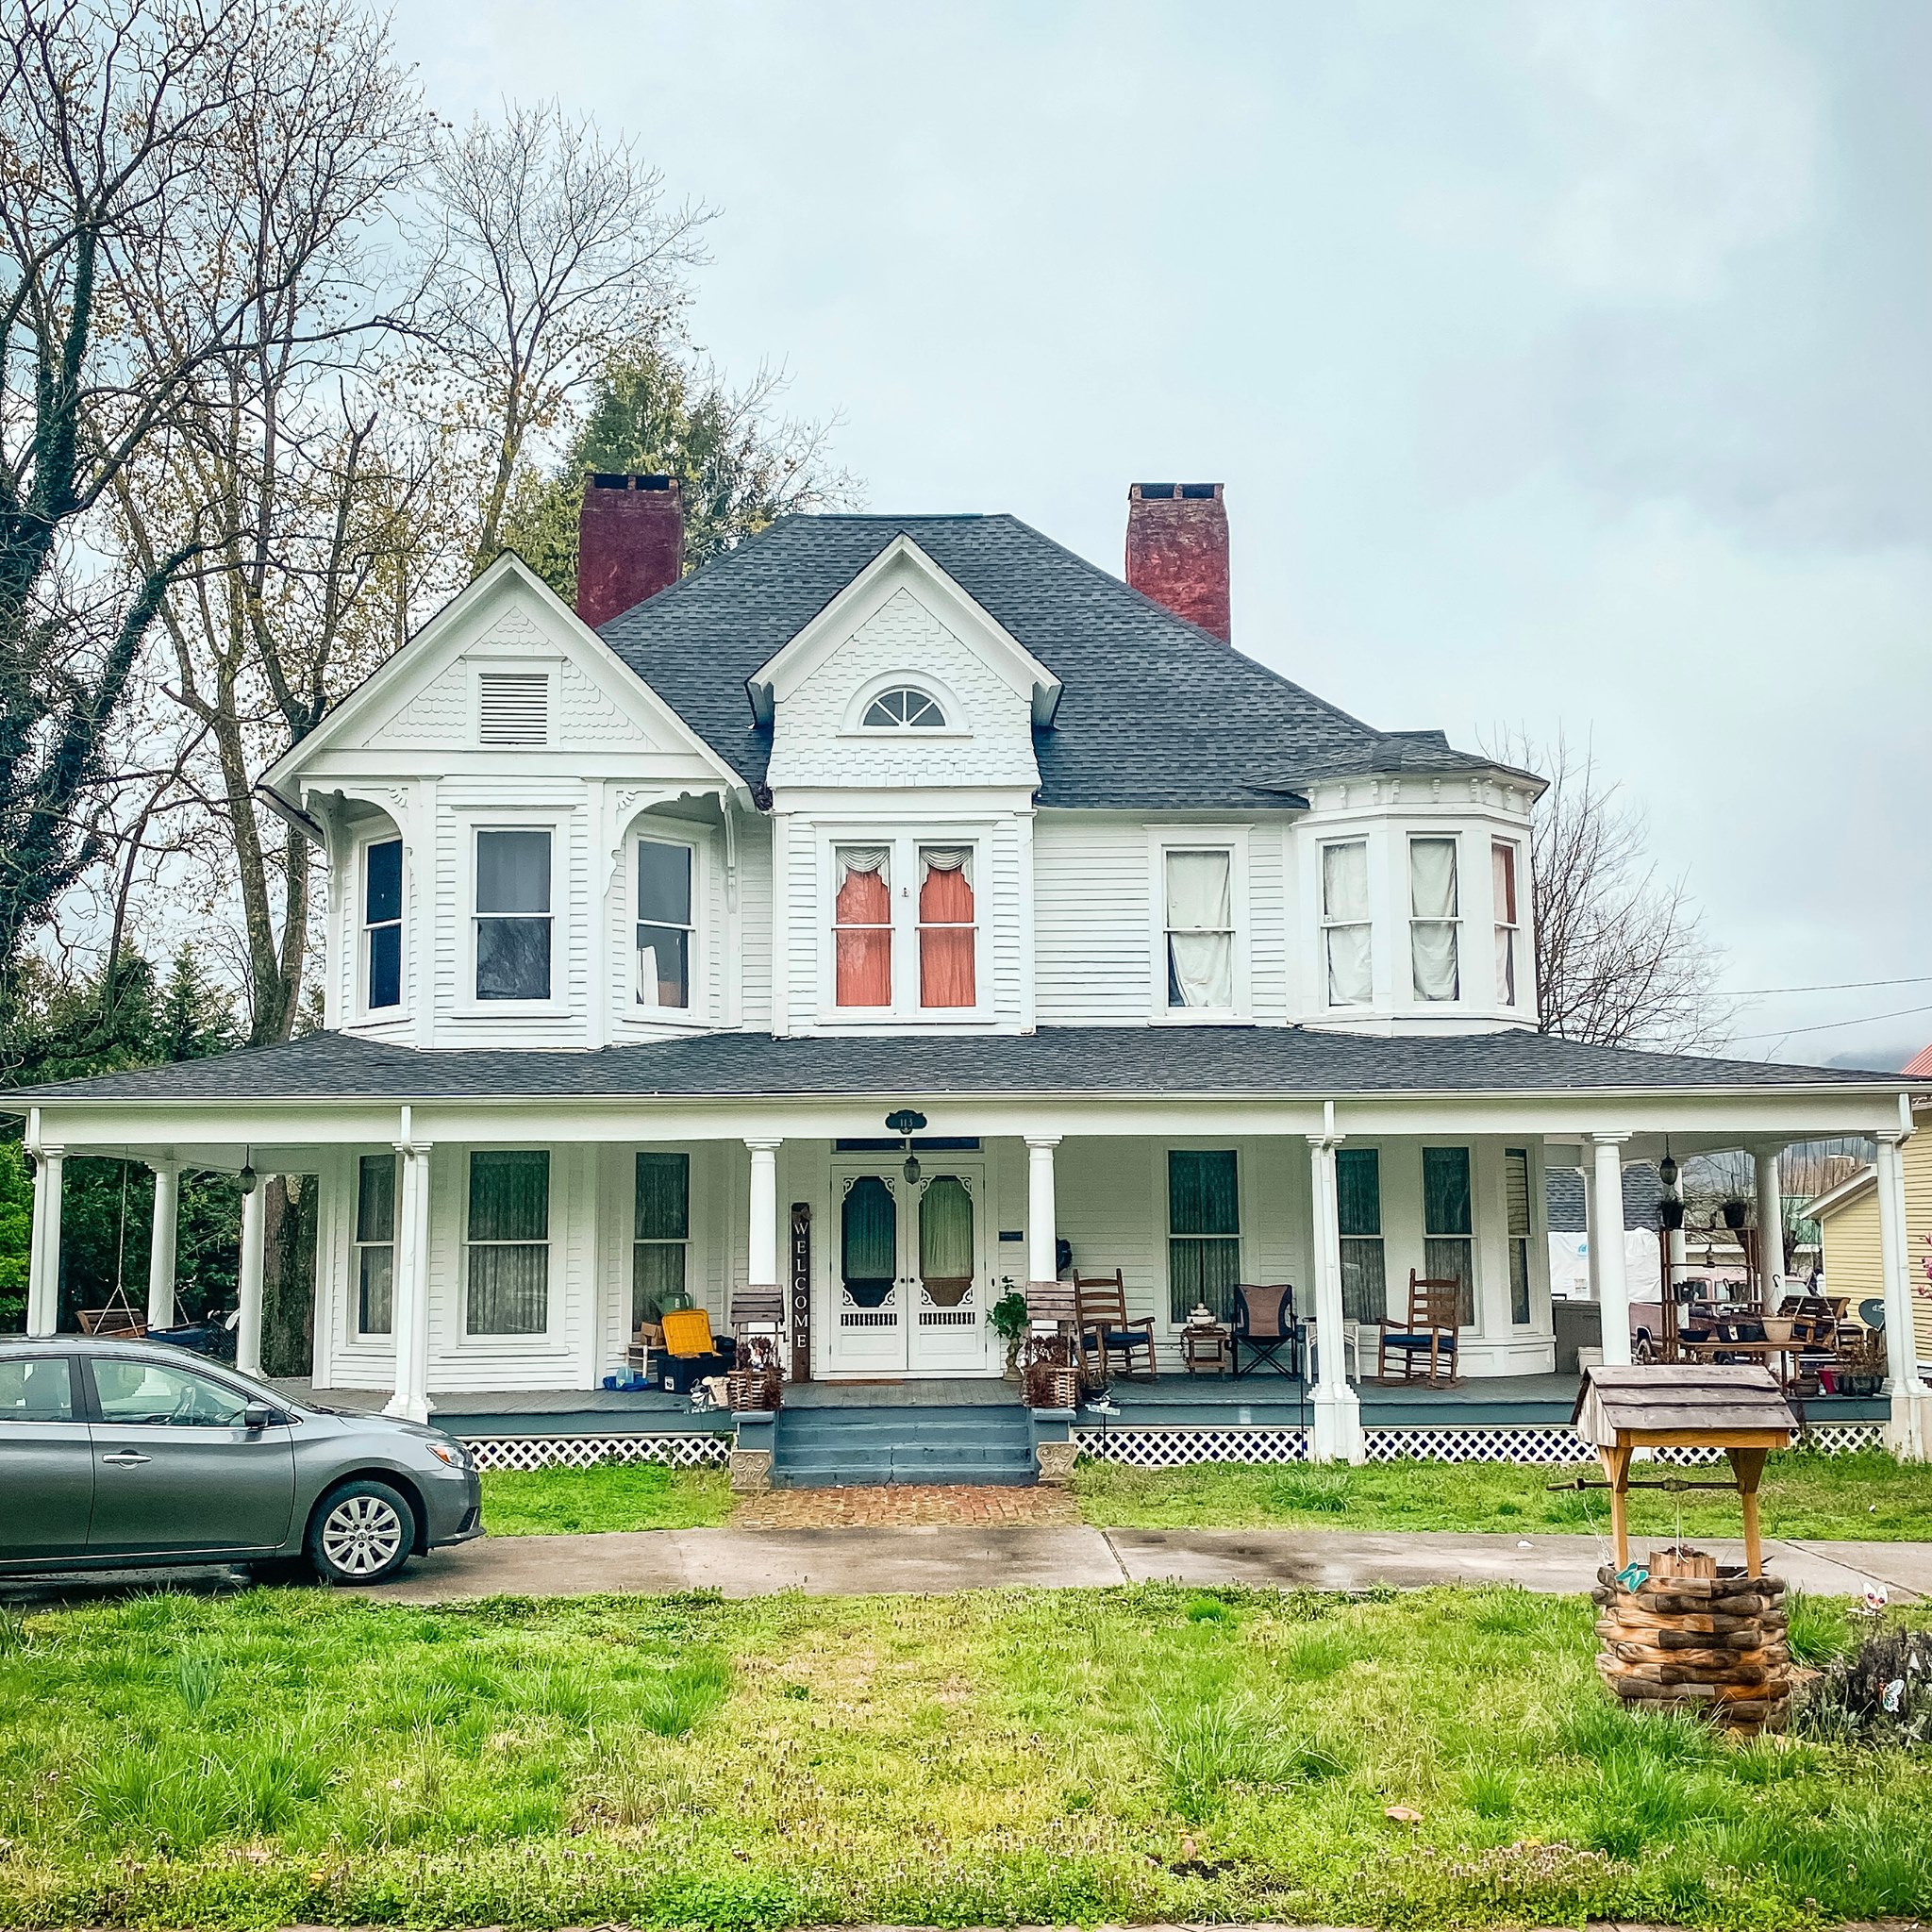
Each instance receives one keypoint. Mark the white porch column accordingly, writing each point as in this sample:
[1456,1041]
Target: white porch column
[1042,1222]
[43,1250]
[761,1245]
[160,1253]
[1770,1228]
[1607,1247]
[1591,1228]
[1908,1435]
[409,1316]
[249,1329]
[1338,1407]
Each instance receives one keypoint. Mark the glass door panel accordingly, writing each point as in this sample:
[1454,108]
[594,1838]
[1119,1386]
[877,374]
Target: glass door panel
[949,1334]
[869,1330]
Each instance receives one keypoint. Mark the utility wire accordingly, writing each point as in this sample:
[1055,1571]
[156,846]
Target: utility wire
[1833,1026]
[1748,992]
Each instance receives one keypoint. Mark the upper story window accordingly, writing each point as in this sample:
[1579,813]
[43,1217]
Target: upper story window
[945,927]
[862,926]
[382,923]
[1200,929]
[1347,931]
[512,919]
[664,924]
[512,708]
[1502,868]
[1434,920]
[905,708]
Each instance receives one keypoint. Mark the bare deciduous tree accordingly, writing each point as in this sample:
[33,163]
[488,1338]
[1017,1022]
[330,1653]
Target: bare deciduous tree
[1621,957]
[556,245]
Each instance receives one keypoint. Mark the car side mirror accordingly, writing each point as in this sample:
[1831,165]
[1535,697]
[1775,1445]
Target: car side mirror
[258,1415]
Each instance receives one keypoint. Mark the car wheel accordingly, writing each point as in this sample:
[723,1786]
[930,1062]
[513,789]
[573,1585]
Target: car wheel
[362,1532]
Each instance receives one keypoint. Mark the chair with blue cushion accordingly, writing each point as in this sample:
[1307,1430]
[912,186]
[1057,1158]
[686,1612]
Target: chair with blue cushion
[1106,1330]
[1426,1340]
[1264,1324]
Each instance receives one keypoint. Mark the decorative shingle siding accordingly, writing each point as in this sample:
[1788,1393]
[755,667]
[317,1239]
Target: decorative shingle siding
[904,640]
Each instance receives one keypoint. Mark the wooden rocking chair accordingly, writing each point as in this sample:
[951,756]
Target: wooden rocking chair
[1426,1341]
[1105,1329]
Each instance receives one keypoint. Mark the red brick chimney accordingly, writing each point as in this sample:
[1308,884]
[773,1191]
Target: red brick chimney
[1177,550]
[630,543]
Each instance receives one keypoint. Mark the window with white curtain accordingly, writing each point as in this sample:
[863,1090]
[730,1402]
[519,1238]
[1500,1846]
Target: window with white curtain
[1503,880]
[1434,919]
[664,924]
[1200,929]
[1347,934]
[506,1243]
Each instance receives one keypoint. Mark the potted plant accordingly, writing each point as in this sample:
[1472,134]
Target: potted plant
[1734,1212]
[1861,1365]
[1008,1320]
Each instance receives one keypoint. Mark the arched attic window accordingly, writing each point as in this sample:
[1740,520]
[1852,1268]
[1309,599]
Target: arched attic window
[905,708]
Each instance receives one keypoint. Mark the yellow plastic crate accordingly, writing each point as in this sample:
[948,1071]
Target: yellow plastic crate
[687,1331]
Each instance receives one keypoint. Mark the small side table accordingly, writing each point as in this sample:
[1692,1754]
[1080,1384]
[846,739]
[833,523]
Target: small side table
[1211,1348]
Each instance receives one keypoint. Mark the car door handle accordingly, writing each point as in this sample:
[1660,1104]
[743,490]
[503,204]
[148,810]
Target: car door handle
[127,1458]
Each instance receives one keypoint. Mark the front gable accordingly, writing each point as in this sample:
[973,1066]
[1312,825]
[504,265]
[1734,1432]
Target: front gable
[507,632]
[902,625]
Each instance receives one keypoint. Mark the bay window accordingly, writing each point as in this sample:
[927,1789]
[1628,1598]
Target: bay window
[512,919]
[862,926]
[1200,929]
[382,923]
[662,1234]
[1434,919]
[506,1243]
[1347,931]
[376,1243]
[1503,873]
[945,925]
[1448,1230]
[664,924]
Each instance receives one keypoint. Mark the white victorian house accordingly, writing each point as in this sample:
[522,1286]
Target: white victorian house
[643,919]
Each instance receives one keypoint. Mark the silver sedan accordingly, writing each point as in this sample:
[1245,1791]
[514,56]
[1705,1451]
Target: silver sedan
[115,1455]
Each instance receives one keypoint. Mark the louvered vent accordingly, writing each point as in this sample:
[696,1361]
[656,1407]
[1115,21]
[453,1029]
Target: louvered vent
[513,707]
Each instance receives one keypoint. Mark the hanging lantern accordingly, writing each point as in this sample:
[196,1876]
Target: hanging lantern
[912,1170]
[1667,1169]
[248,1179]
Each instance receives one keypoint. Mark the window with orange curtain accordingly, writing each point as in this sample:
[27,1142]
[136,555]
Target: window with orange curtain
[945,925]
[862,926]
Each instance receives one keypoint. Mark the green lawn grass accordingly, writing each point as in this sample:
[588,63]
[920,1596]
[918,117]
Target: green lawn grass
[293,1758]
[1863,1497]
[610,1495]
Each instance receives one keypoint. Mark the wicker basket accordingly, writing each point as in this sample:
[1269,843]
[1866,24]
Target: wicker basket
[754,1389]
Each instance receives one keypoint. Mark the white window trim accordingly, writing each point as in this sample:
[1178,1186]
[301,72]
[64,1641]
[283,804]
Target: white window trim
[358,913]
[487,1342]
[1513,927]
[1233,840]
[632,1011]
[1165,1326]
[468,1006]
[1412,1000]
[905,1013]
[384,1338]
[1473,1152]
[1325,925]
[954,730]
[513,666]
[694,1204]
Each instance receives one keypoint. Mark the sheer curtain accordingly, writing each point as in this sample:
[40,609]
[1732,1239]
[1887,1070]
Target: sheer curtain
[862,927]
[1503,880]
[945,925]
[1204,1249]
[1345,908]
[1200,929]
[1432,928]
[869,1243]
[510,1242]
[945,1241]
[1447,1226]
[661,1227]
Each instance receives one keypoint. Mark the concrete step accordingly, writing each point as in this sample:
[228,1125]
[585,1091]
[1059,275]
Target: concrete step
[850,1447]
[1002,1476]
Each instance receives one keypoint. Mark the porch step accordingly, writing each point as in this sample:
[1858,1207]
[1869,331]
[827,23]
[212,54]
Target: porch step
[849,1448]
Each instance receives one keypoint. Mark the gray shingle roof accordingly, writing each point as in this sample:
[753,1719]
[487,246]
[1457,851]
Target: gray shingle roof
[1154,712]
[1563,1189]
[1127,1061]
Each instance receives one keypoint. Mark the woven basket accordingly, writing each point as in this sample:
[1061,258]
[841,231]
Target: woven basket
[1047,1385]
[754,1389]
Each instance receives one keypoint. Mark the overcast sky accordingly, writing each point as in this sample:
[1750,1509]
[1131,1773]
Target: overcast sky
[1565,363]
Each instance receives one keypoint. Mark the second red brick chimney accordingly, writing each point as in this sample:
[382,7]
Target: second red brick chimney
[1177,550]
[630,543]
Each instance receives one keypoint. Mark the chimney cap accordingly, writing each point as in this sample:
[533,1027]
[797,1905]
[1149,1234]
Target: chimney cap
[616,479]
[1159,493]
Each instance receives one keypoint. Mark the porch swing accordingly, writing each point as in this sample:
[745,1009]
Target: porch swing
[118,1316]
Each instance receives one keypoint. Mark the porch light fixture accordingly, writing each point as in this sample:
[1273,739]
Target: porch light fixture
[906,1122]
[247,1175]
[911,1170]
[1667,1167]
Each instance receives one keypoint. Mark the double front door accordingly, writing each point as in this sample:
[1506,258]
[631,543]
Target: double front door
[909,1271]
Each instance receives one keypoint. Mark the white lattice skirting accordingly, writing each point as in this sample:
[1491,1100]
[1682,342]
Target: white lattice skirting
[1549,1444]
[582,1452]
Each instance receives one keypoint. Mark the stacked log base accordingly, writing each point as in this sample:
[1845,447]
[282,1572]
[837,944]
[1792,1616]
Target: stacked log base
[1714,1645]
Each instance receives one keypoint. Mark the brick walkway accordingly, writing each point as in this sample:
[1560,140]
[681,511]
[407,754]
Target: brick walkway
[897,1504]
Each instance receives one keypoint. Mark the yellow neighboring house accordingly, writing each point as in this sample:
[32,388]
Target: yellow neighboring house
[1847,1217]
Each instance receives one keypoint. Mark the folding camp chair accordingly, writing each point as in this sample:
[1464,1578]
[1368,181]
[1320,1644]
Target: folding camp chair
[1264,1324]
